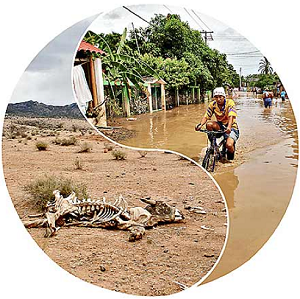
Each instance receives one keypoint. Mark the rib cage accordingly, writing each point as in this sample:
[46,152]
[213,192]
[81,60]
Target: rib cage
[94,211]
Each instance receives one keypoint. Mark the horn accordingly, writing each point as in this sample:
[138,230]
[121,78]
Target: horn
[148,200]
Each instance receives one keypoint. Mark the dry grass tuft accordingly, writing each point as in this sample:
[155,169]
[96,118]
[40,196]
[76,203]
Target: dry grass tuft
[85,148]
[119,155]
[41,146]
[41,190]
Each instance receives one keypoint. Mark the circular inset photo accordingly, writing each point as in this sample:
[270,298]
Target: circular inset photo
[122,137]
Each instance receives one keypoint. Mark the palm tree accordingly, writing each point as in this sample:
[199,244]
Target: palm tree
[265,66]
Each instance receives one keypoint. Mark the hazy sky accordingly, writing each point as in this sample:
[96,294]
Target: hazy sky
[47,79]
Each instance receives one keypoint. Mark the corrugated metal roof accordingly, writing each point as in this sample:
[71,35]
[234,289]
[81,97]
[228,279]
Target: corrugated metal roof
[86,47]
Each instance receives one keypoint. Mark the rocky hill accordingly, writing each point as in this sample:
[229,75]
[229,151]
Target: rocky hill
[36,109]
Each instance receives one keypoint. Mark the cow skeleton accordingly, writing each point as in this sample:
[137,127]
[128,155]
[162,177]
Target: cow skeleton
[71,211]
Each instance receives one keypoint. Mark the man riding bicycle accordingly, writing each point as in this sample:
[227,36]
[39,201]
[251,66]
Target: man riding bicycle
[225,112]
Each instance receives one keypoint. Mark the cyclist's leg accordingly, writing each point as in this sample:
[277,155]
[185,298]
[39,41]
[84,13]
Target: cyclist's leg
[212,125]
[230,143]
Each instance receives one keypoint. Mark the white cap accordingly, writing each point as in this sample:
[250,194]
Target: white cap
[219,91]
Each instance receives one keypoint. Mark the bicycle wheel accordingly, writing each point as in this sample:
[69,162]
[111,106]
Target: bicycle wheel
[209,161]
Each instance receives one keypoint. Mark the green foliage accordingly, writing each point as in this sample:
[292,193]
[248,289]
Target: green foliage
[265,66]
[41,190]
[171,44]
[263,81]
[118,63]
[168,48]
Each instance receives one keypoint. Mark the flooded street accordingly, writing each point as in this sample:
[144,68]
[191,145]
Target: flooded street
[258,185]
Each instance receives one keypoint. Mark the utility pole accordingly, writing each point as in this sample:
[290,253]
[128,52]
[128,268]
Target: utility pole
[205,35]
[240,78]
[136,41]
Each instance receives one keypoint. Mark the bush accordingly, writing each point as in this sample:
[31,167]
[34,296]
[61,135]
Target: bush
[119,155]
[41,190]
[74,128]
[85,148]
[108,146]
[143,154]
[41,146]
[78,164]
[65,141]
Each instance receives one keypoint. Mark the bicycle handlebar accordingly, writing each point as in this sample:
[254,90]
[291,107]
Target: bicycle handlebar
[212,132]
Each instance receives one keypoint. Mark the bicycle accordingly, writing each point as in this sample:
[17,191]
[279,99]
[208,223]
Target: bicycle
[216,150]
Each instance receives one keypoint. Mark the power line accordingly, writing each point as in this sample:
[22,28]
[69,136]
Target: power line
[136,15]
[242,53]
[209,31]
[245,56]
[168,9]
[201,20]
[193,19]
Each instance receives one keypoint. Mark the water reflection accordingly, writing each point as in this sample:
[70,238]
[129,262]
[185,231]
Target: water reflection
[228,182]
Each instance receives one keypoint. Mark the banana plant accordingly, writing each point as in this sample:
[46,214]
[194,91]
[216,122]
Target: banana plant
[120,67]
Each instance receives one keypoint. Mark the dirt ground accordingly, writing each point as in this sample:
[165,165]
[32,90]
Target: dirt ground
[167,257]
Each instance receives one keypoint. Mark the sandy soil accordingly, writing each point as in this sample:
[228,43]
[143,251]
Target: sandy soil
[166,256]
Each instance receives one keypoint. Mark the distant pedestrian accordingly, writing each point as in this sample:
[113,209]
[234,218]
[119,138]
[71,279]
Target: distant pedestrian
[283,94]
[267,97]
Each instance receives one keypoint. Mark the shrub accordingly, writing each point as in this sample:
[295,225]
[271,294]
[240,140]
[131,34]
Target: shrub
[57,141]
[108,146]
[85,148]
[74,128]
[41,146]
[65,141]
[143,153]
[78,164]
[119,155]
[68,141]
[41,190]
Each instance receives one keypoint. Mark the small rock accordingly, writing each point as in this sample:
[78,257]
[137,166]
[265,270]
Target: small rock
[102,268]
[208,254]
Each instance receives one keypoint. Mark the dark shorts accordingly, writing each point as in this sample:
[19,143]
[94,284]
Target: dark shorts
[268,102]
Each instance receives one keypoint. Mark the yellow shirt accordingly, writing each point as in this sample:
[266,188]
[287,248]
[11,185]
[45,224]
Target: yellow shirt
[222,114]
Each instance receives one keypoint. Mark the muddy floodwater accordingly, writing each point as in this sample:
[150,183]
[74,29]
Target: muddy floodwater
[257,186]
